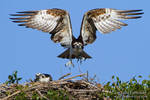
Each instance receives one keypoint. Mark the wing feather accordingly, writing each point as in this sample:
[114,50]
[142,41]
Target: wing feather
[110,25]
[113,25]
[100,27]
[107,28]
[113,15]
[88,30]
[54,21]
[105,20]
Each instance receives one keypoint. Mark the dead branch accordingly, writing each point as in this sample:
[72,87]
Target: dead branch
[41,94]
[62,77]
[73,77]
[9,96]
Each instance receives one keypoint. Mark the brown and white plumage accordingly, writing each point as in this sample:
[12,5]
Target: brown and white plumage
[57,23]
[105,20]
[54,21]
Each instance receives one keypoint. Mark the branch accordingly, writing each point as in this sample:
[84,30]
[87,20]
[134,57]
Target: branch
[73,77]
[41,94]
[6,98]
[64,76]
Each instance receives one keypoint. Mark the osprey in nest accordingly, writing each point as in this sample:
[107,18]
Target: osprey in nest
[57,23]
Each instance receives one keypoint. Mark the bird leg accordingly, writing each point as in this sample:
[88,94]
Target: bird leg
[81,59]
[69,63]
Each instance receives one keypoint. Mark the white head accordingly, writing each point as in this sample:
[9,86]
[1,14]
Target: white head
[77,45]
[43,77]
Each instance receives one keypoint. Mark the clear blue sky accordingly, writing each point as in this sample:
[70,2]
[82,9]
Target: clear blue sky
[123,53]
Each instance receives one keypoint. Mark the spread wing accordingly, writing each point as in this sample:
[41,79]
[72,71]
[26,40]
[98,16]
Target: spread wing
[54,21]
[105,20]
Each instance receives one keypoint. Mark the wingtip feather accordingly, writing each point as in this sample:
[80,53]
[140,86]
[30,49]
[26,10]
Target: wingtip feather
[132,13]
[135,17]
[27,12]
[19,18]
[126,11]
[21,24]
[22,21]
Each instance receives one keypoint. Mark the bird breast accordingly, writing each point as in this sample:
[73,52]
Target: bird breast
[77,51]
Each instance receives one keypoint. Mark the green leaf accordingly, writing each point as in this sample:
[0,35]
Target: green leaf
[144,82]
[108,83]
[15,74]
[19,79]
[10,77]
[50,93]
[7,82]
[113,77]
[113,84]
[139,76]
[117,78]
[13,81]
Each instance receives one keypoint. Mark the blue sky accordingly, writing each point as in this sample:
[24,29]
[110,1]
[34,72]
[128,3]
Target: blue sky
[124,53]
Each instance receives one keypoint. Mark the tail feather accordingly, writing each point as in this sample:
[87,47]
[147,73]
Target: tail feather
[85,55]
[66,55]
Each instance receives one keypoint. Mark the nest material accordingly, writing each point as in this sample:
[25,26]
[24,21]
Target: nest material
[77,89]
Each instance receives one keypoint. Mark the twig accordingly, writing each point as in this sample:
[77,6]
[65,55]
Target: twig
[83,90]
[87,76]
[6,98]
[63,80]
[73,77]
[4,84]
[41,94]
[68,89]
[91,85]
[58,82]
[64,76]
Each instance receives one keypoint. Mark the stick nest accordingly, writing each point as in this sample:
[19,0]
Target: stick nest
[67,88]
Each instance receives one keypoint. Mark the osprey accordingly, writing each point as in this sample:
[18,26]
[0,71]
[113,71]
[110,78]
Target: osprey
[41,77]
[57,23]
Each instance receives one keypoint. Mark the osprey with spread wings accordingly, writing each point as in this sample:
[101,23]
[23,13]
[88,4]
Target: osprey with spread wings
[57,23]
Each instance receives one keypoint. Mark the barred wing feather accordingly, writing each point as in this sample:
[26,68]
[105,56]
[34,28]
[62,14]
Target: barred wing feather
[105,20]
[54,21]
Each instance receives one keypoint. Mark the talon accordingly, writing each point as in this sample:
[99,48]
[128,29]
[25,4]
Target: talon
[69,63]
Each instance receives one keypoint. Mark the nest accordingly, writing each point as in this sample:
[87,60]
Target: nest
[73,89]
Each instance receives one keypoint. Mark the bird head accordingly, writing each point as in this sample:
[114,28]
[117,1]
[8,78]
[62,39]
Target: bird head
[78,45]
[43,77]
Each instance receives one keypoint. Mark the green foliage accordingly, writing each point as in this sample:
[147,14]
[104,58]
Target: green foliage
[13,78]
[57,95]
[132,89]
[50,95]
[35,96]
[21,96]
